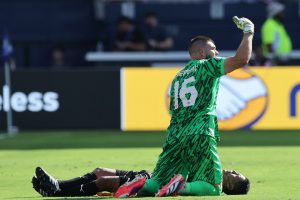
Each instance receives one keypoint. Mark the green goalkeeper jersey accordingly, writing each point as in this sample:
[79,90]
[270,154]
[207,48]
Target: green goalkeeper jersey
[193,98]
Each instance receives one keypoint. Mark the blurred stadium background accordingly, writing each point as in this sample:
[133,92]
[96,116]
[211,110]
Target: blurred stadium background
[102,106]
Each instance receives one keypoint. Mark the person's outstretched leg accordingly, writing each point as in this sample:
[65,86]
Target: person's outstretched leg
[57,185]
[87,189]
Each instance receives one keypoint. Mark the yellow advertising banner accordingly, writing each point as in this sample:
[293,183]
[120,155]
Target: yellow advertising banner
[255,98]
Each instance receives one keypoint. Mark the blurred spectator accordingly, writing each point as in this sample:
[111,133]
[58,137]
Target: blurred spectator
[157,37]
[128,37]
[58,57]
[276,42]
[260,59]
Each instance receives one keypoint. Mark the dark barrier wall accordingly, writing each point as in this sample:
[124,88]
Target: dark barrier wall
[62,99]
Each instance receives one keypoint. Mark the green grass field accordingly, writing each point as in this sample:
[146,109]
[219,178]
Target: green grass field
[270,159]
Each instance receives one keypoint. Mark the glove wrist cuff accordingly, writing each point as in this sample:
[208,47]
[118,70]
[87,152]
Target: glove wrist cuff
[249,29]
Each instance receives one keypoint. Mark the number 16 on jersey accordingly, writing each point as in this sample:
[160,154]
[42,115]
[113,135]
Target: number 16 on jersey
[187,94]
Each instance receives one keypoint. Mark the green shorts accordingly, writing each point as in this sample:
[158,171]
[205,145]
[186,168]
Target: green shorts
[194,156]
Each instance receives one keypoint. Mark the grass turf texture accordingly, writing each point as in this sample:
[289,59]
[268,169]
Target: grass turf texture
[269,158]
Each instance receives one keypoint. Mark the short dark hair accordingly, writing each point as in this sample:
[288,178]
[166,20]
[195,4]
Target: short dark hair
[200,39]
[241,187]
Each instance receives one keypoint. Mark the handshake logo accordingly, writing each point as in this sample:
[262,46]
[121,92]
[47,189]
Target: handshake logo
[241,101]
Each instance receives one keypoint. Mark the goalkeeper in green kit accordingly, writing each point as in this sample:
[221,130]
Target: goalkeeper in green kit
[189,163]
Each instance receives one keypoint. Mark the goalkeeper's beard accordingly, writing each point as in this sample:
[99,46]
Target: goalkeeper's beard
[208,56]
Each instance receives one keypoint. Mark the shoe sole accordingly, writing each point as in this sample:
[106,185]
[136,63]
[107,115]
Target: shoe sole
[44,177]
[166,188]
[35,184]
[39,188]
[131,190]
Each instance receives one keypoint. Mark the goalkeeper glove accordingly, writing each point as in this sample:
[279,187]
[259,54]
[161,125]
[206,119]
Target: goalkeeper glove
[245,24]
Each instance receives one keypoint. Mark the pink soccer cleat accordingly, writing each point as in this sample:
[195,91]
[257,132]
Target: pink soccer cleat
[129,188]
[171,189]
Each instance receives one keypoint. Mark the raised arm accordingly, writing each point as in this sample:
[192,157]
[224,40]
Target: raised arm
[243,53]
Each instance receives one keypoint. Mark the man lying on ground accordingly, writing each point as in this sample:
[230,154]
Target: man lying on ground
[109,180]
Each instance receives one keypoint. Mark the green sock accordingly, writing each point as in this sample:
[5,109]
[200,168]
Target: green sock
[200,188]
[150,188]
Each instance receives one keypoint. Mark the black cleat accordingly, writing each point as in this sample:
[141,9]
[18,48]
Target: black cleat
[38,186]
[47,181]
